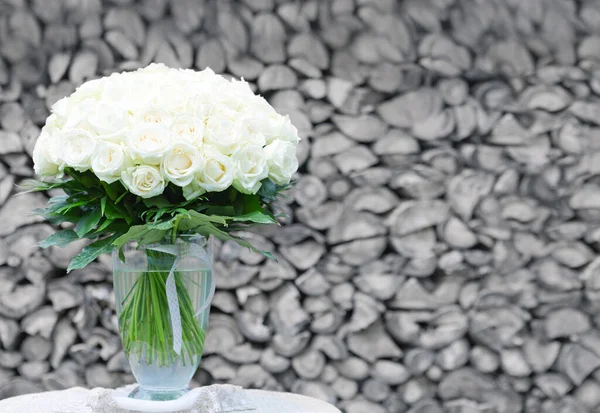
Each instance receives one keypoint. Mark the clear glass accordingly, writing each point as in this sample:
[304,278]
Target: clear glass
[144,305]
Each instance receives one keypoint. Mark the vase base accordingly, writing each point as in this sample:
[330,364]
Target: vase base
[141,393]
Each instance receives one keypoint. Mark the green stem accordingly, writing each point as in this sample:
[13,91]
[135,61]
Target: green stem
[145,316]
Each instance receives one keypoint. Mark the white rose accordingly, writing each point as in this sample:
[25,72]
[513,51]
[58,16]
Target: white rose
[149,143]
[76,147]
[109,120]
[241,88]
[193,190]
[143,180]
[217,172]
[288,131]
[154,115]
[109,161]
[181,163]
[91,89]
[158,68]
[222,133]
[282,161]
[188,128]
[60,109]
[52,124]
[250,131]
[251,168]
[45,159]
[71,113]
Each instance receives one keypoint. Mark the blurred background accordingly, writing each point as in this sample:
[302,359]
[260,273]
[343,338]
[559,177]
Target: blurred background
[440,253]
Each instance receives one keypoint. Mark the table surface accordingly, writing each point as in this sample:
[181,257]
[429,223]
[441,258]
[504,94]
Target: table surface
[74,400]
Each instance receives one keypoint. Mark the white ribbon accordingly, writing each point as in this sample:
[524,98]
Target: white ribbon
[198,252]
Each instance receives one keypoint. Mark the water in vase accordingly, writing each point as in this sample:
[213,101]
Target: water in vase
[147,333]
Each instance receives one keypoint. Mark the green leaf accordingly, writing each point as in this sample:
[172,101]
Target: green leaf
[154,235]
[71,205]
[114,211]
[256,217]
[104,225]
[121,197]
[91,252]
[209,229]
[113,190]
[103,205]
[157,202]
[221,210]
[162,226]
[134,233]
[268,189]
[88,222]
[33,185]
[197,216]
[60,239]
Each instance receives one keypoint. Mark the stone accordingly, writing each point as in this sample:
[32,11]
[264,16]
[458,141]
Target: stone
[355,225]
[352,368]
[565,322]
[587,393]
[309,47]
[40,322]
[267,38]
[344,388]
[466,189]
[65,295]
[362,251]
[375,390]
[330,144]
[409,108]
[412,216]
[554,385]
[355,159]
[304,255]
[310,191]
[233,276]
[223,334]
[513,362]
[377,200]
[309,364]
[577,362]
[363,406]
[390,372]
[274,363]
[453,356]
[380,286]
[211,54]
[277,77]
[312,283]
[322,216]
[35,348]
[289,346]
[21,301]
[242,354]
[373,343]
[363,128]
[23,202]
[484,360]
[252,327]
[286,314]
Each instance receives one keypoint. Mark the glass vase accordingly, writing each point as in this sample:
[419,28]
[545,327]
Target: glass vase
[163,293]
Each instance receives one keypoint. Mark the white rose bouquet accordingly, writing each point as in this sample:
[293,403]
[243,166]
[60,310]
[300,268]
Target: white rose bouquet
[150,155]
[143,154]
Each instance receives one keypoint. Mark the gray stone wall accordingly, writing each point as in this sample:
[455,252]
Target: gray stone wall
[440,250]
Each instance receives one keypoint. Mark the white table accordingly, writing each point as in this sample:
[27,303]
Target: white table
[74,400]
